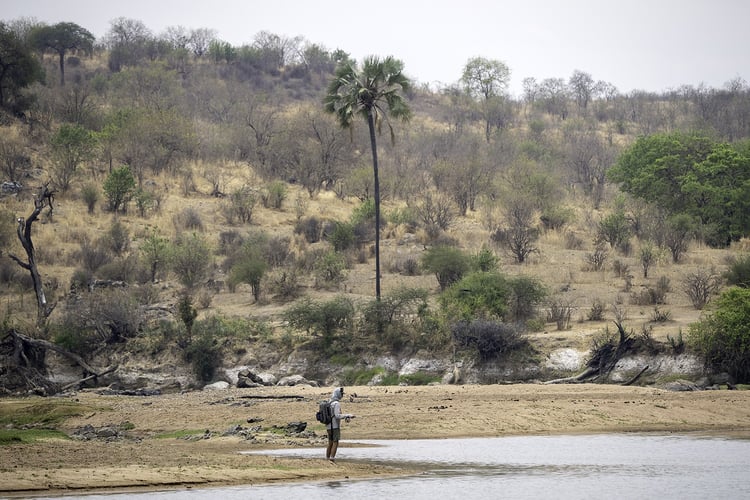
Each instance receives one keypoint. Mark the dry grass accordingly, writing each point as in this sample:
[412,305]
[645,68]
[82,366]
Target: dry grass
[58,239]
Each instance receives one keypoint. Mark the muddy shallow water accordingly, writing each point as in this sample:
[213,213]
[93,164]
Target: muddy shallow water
[579,466]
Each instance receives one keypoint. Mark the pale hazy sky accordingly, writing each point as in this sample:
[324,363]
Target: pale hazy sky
[649,45]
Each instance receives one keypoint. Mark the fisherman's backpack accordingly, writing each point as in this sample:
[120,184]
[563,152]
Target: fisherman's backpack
[325,412]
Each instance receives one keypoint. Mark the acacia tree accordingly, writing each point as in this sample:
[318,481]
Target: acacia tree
[18,69]
[373,92]
[62,38]
[71,146]
[487,80]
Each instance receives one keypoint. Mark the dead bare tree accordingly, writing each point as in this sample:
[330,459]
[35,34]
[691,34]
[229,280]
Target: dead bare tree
[41,200]
[26,354]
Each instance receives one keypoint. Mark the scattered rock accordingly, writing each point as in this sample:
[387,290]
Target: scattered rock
[293,380]
[217,386]
[681,386]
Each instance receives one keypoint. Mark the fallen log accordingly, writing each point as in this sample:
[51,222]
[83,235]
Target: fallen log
[632,380]
[86,379]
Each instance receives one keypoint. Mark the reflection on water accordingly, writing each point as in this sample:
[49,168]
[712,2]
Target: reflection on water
[600,466]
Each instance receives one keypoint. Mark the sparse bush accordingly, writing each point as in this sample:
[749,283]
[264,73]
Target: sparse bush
[310,227]
[491,339]
[278,251]
[105,315]
[117,238]
[330,269]
[399,312]
[620,268]
[435,211]
[188,220]
[125,269]
[556,218]
[676,343]
[573,241]
[648,257]
[403,216]
[342,236]
[190,259]
[275,195]
[653,295]
[90,196]
[660,315]
[144,201]
[284,284]
[447,263]
[738,273]
[700,286]
[93,256]
[596,313]
[559,312]
[595,261]
[239,206]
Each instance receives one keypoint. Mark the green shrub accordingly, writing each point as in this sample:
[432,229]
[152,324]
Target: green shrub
[119,187]
[342,236]
[275,195]
[329,269]
[738,273]
[204,355]
[485,260]
[556,218]
[90,196]
[722,338]
[449,264]
[324,319]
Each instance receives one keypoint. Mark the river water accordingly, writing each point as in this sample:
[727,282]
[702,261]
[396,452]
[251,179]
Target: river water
[611,466]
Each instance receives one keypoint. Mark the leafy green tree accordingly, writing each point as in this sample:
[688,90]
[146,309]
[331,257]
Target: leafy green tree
[19,68]
[71,146]
[449,264]
[119,187]
[62,38]
[487,80]
[691,174]
[190,259]
[723,337]
[614,229]
[322,318]
[373,92]
[155,254]
[249,267]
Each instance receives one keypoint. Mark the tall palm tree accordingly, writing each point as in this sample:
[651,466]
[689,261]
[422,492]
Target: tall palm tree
[373,92]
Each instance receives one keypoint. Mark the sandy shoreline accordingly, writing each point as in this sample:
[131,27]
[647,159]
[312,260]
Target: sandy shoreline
[142,460]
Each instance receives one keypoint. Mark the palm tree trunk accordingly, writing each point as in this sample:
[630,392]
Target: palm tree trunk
[373,143]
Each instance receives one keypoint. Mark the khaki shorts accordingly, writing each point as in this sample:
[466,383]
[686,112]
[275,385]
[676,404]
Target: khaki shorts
[334,434]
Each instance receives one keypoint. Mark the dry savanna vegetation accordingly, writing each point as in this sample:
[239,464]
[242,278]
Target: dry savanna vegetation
[206,202]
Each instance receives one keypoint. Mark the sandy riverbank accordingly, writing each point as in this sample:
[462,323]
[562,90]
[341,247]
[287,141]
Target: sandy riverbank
[143,460]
